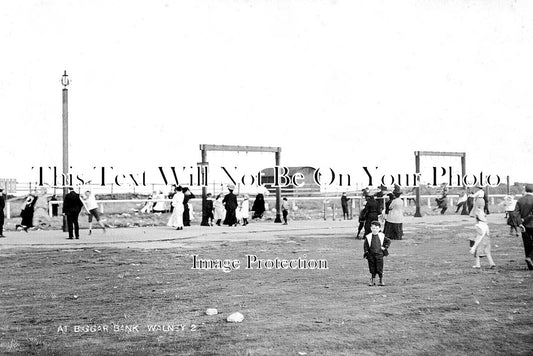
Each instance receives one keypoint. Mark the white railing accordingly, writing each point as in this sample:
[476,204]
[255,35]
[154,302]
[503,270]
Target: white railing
[355,201]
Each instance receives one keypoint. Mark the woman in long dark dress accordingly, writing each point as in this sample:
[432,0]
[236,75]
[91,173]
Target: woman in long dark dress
[259,206]
[230,203]
[27,213]
[370,213]
[188,195]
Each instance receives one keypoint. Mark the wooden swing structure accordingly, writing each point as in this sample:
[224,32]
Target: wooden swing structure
[204,148]
[438,154]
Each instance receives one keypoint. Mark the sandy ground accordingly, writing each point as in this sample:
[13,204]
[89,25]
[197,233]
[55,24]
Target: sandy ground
[434,302]
[166,237]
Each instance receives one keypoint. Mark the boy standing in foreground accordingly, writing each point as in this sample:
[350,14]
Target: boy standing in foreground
[375,247]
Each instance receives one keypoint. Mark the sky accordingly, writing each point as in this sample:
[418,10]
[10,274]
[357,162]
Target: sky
[338,84]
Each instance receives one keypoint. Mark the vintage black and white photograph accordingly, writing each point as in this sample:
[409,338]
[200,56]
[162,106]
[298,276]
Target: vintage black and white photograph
[266,177]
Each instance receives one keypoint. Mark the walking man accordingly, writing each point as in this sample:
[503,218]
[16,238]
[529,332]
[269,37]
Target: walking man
[524,208]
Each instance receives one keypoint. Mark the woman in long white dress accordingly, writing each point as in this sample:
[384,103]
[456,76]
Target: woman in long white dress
[220,212]
[176,219]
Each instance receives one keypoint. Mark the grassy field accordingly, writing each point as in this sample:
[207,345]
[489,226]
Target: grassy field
[434,303]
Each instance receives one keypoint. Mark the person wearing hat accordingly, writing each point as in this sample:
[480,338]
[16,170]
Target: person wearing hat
[26,213]
[442,201]
[480,246]
[380,198]
[524,208]
[394,224]
[369,213]
[176,218]
[72,206]
[187,195]
[479,201]
[365,193]
[259,206]
[2,206]
[230,203]
[344,205]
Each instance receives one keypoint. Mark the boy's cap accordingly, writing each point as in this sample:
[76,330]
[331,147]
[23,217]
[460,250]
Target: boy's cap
[375,223]
[231,186]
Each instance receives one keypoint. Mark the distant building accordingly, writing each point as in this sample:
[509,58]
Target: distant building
[309,186]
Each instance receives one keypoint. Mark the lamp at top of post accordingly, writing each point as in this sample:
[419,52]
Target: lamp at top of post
[64,80]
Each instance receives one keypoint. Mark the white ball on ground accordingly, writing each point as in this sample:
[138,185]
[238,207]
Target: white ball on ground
[235,318]
[211,311]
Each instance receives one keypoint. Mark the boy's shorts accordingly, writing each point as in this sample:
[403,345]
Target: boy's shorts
[94,212]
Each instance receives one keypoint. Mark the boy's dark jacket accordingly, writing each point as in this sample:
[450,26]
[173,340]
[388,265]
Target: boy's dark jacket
[385,242]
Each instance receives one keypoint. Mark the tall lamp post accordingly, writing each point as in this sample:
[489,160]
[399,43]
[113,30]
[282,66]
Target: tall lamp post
[65,82]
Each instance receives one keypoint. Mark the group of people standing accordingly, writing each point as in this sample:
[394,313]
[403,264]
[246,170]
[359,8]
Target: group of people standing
[471,200]
[225,209]
[180,216]
[387,208]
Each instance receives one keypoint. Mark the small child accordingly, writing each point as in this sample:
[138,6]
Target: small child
[245,210]
[375,247]
[480,246]
[513,218]
[285,210]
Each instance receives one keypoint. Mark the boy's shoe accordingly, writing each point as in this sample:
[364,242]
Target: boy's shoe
[492,266]
[371,283]
[381,284]
[476,266]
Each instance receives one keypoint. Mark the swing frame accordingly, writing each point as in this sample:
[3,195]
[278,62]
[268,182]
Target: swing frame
[418,154]
[204,148]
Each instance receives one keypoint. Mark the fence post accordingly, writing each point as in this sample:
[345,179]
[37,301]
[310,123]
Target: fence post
[429,202]
[333,211]
[324,210]
[50,208]
[8,206]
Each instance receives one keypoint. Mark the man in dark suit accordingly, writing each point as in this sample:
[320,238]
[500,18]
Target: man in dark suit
[524,208]
[72,205]
[2,206]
